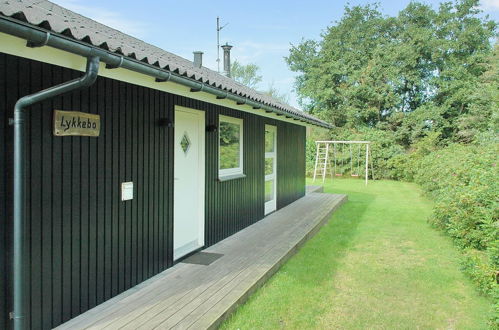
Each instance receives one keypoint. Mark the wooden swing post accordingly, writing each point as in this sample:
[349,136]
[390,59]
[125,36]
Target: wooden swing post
[367,161]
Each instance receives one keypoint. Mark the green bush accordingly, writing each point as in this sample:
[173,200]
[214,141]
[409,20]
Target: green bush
[405,165]
[310,157]
[383,148]
[477,266]
[462,181]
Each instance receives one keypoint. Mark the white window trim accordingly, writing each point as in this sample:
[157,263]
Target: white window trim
[237,170]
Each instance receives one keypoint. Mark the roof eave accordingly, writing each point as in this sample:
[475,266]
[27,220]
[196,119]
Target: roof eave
[37,36]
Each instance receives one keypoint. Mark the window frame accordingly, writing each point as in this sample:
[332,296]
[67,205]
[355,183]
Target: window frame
[235,172]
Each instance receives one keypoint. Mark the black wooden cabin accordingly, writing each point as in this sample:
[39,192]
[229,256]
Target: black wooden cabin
[84,241]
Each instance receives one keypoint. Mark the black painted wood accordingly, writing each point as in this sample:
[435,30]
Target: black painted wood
[86,245]
[5,184]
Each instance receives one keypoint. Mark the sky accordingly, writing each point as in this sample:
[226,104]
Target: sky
[261,32]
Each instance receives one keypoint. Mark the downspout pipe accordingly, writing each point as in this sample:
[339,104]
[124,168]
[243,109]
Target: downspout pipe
[19,303]
[37,36]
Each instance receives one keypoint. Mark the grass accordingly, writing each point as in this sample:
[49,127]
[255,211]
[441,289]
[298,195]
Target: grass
[377,264]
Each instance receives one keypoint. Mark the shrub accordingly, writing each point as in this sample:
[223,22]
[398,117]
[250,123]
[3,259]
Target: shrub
[481,272]
[462,181]
[405,166]
[310,157]
[484,275]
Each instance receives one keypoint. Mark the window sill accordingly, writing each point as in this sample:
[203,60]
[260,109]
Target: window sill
[231,177]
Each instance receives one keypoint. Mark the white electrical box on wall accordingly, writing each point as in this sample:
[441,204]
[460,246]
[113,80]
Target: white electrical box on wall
[126,191]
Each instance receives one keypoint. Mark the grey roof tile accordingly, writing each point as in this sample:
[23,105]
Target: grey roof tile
[61,20]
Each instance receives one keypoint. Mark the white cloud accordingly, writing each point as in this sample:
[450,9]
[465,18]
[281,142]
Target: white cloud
[490,5]
[107,17]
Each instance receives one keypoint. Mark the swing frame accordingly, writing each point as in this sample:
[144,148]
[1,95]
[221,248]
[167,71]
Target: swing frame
[356,173]
[334,143]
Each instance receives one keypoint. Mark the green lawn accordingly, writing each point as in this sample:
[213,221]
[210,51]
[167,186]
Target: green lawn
[377,264]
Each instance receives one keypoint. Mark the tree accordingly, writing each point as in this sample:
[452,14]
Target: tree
[246,74]
[411,73]
[483,112]
[273,92]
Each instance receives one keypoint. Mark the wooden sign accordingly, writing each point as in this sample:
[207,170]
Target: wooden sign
[72,123]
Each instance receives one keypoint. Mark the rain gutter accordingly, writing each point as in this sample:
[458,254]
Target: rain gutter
[38,36]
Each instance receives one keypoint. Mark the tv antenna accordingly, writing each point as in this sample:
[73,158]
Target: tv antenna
[218,41]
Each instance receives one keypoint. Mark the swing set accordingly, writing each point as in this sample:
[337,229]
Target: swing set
[343,152]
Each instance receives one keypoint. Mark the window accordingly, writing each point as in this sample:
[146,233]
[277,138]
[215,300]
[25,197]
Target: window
[230,143]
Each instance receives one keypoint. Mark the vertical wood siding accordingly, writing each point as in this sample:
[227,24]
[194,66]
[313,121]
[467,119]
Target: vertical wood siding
[7,97]
[290,163]
[86,245]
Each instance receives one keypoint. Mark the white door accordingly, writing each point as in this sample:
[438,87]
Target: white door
[270,168]
[188,212]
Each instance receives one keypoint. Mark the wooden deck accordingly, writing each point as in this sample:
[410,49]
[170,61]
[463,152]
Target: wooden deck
[198,296]
[316,189]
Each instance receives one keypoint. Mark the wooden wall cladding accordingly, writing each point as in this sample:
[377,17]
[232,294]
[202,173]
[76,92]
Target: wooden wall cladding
[84,244]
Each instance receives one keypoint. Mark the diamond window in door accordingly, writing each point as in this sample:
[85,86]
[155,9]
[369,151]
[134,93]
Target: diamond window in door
[185,143]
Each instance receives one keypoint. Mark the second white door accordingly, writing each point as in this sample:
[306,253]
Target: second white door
[270,168]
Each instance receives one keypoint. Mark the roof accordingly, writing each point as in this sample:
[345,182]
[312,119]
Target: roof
[54,18]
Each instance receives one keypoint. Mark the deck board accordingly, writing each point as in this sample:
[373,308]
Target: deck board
[198,296]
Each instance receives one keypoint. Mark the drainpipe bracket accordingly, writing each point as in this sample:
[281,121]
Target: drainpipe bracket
[13,121]
[12,316]
[115,66]
[164,79]
[199,89]
[34,44]
[223,97]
